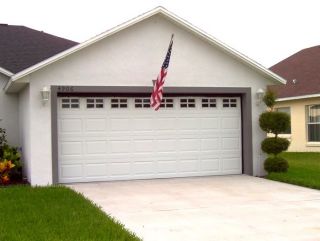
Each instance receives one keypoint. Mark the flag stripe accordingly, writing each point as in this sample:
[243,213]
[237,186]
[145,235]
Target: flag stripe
[157,93]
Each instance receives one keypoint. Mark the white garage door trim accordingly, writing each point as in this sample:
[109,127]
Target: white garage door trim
[245,94]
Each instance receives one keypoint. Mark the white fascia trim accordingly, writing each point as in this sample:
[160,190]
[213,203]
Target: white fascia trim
[6,72]
[136,20]
[297,97]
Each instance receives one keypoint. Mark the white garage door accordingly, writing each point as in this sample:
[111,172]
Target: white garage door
[122,138]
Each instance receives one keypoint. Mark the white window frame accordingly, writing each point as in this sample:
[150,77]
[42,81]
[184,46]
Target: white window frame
[311,123]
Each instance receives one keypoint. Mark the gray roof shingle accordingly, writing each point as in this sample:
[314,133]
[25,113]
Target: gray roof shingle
[22,47]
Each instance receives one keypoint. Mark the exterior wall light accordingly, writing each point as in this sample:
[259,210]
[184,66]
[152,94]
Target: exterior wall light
[260,94]
[45,94]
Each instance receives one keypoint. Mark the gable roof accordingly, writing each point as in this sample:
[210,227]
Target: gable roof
[302,72]
[166,13]
[22,47]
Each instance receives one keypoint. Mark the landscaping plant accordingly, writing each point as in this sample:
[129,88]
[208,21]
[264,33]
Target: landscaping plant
[275,123]
[10,165]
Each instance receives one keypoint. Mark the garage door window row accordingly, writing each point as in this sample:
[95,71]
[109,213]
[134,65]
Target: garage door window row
[141,103]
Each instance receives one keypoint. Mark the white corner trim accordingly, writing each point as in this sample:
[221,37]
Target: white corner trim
[6,72]
[133,21]
[297,97]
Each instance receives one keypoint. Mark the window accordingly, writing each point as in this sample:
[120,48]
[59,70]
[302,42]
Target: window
[119,103]
[187,103]
[285,110]
[142,103]
[313,123]
[209,103]
[226,103]
[94,103]
[70,103]
[166,103]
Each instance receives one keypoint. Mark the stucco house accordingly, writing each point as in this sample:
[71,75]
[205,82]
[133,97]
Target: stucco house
[97,124]
[300,98]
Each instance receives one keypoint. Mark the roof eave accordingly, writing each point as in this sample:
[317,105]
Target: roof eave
[6,72]
[297,97]
[133,21]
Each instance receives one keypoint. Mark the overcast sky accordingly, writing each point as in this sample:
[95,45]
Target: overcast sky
[266,31]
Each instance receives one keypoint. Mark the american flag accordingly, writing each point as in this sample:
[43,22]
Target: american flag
[157,93]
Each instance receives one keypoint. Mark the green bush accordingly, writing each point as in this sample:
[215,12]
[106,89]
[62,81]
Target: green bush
[269,99]
[274,145]
[274,122]
[276,164]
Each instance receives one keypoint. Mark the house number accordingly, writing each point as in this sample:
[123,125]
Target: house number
[65,89]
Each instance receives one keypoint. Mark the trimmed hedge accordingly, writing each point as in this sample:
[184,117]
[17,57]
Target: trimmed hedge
[276,164]
[274,145]
[274,122]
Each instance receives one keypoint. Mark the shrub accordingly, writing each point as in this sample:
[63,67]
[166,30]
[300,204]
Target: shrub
[5,168]
[273,145]
[9,160]
[276,164]
[269,99]
[274,122]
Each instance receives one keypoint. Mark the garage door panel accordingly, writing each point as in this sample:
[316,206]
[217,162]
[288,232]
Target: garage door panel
[187,123]
[191,165]
[189,145]
[210,165]
[169,145]
[210,144]
[70,125]
[210,123]
[95,124]
[96,170]
[230,164]
[68,148]
[96,147]
[143,146]
[119,124]
[120,169]
[165,123]
[168,167]
[120,146]
[230,123]
[132,143]
[71,171]
[144,167]
[143,124]
[230,143]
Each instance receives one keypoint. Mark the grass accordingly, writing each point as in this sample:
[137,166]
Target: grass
[54,214]
[304,169]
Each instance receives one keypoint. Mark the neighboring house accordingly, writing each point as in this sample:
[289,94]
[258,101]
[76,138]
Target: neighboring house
[300,97]
[97,124]
[20,48]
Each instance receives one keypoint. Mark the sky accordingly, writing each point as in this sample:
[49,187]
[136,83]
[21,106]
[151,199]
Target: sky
[265,31]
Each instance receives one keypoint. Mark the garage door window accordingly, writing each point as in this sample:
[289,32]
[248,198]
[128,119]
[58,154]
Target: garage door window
[119,103]
[187,103]
[209,103]
[70,103]
[94,103]
[166,103]
[229,103]
[142,103]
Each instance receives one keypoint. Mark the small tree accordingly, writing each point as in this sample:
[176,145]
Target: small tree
[275,123]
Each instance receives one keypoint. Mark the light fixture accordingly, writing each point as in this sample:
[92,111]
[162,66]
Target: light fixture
[260,94]
[45,94]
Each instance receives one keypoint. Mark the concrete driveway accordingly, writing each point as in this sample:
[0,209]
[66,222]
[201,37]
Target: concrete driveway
[210,208]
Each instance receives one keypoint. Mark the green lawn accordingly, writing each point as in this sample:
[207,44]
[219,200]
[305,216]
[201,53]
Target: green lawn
[304,169]
[54,214]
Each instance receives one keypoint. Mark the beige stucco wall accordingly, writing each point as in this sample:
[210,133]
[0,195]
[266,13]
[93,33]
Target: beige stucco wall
[298,135]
